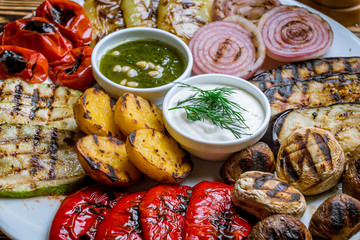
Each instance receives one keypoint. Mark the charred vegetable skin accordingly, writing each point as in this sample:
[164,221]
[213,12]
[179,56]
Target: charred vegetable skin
[337,218]
[26,64]
[70,18]
[162,211]
[37,160]
[211,214]
[257,157]
[123,222]
[80,213]
[40,34]
[314,93]
[298,71]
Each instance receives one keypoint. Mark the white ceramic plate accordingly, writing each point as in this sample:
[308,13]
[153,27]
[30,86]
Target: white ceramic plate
[31,218]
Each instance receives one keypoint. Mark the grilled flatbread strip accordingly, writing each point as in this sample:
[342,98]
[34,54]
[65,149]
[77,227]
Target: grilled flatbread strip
[37,94]
[37,160]
[312,93]
[62,118]
[298,71]
[341,119]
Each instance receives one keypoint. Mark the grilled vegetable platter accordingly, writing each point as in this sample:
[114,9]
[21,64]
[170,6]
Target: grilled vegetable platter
[32,123]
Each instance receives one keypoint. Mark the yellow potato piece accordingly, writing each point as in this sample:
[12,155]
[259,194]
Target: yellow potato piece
[132,112]
[105,160]
[158,156]
[94,115]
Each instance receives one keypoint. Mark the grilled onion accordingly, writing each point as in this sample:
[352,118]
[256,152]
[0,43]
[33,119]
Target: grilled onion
[233,47]
[292,33]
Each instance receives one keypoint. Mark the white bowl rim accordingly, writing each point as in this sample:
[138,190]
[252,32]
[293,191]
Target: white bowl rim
[115,34]
[263,100]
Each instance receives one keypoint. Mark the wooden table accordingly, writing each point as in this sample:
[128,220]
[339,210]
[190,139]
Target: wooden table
[14,9]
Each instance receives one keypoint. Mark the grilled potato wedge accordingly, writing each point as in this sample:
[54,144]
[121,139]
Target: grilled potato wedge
[105,17]
[158,156]
[94,115]
[312,93]
[184,17]
[139,13]
[341,120]
[37,160]
[316,69]
[105,160]
[132,112]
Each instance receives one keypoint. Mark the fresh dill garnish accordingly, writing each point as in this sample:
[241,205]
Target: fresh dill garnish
[215,106]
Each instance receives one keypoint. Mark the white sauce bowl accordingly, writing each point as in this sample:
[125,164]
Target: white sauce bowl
[214,150]
[155,94]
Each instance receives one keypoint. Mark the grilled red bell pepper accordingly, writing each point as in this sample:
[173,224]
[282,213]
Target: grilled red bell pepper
[38,34]
[123,222]
[70,18]
[23,63]
[211,214]
[80,213]
[75,71]
[162,211]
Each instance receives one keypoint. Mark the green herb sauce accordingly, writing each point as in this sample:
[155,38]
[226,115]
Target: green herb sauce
[131,52]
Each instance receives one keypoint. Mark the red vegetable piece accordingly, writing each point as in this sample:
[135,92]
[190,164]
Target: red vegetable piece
[211,214]
[123,222]
[37,34]
[70,18]
[162,211]
[26,64]
[75,70]
[80,213]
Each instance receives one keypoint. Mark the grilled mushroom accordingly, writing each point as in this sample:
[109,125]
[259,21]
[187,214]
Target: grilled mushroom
[351,182]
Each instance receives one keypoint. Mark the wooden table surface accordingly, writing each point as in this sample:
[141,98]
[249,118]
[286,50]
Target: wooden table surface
[14,9]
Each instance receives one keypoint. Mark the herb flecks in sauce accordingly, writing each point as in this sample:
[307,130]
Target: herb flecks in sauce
[131,52]
[215,106]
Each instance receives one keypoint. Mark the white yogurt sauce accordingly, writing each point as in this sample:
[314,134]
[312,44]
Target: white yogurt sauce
[205,130]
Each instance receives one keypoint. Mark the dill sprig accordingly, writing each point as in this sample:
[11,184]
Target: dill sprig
[215,106]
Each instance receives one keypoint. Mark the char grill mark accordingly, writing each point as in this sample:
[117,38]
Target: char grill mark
[18,93]
[53,147]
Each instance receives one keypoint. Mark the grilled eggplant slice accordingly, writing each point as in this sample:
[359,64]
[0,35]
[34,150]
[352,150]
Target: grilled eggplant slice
[105,17]
[37,160]
[139,13]
[263,195]
[312,93]
[298,71]
[310,159]
[184,17]
[337,218]
[37,94]
[341,119]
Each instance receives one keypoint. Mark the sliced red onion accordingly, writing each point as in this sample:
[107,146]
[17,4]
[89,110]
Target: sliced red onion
[252,10]
[227,47]
[293,33]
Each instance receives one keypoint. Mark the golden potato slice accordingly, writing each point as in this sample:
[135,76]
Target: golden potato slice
[139,13]
[105,160]
[94,115]
[184,17]
[158,156]
[132,112]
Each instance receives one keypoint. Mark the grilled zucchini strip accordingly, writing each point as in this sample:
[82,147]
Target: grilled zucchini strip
[312,93]
[37,160]
[315,69]
[62,118]
[37,94]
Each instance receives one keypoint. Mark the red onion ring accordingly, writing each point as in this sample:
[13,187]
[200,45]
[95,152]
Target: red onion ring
[227,47]
[293,33]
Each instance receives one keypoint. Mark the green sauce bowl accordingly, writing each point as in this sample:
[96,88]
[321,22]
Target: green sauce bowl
[117,82]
